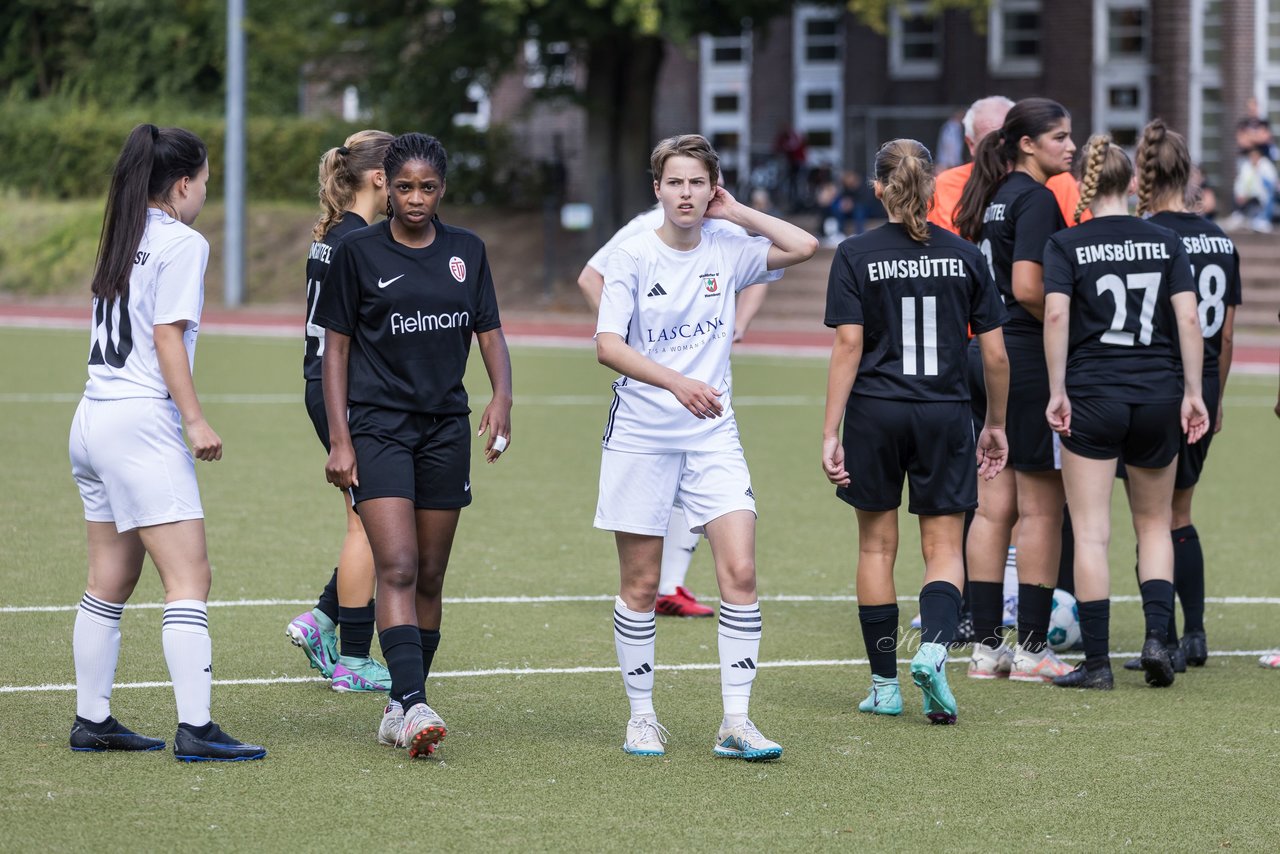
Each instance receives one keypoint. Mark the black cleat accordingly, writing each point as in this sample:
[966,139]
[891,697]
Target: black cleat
[214,746]
[1176,655]
[1098,680]
[1195,648]
[1157,664]
[109,735]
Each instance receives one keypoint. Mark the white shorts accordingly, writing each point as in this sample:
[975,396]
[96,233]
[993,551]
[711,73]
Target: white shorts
[637,491]
[131,463]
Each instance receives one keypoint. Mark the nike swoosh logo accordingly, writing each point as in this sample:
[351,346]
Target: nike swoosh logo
[383,284]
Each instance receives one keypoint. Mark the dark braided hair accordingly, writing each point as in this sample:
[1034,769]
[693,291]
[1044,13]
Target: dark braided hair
[413,146]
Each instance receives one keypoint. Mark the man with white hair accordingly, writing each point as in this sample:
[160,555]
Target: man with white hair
[986,115]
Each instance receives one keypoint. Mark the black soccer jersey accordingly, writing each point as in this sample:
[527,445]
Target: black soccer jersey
[1215,263]
[1120,273]
[1017,224]
[317,268]
[410,314]
[915,304]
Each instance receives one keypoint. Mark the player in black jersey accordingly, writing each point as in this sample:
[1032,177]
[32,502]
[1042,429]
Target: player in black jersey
[352,192]
[401,304]
[1123,348]
[902,299]
[1164,173]
[1008,211]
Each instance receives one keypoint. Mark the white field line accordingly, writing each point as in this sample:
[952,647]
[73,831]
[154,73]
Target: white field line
[561,671]
[544,600]
[293,399]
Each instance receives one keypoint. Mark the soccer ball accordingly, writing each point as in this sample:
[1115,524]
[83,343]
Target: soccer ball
[1064,621]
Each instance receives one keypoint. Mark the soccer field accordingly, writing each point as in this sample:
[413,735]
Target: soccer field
[526,674]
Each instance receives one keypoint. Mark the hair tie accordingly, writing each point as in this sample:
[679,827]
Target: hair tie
[343,150]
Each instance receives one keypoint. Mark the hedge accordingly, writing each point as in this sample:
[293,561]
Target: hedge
[59,149]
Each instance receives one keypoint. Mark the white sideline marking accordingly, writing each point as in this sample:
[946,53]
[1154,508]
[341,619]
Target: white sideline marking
[293,399]
[544,600]
[563,671]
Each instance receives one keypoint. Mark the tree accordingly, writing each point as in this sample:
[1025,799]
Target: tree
[620,43]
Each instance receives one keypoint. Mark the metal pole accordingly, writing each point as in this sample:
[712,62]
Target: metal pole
[235,157]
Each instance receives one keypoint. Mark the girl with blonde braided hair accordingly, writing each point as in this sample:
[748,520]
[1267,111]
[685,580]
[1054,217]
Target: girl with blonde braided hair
[352,192]
[902,299]
[1164,176]
[1123,349]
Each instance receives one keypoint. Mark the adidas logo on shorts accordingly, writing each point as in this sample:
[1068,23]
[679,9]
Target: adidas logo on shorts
[657,291]
[750,494]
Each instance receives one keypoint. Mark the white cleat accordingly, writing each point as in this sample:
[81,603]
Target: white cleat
[744,741]
[423,730]
[645,737]
[392,724]
[1043,666]
[988,663]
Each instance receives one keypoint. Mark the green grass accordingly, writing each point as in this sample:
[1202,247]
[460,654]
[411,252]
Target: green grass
[532,761]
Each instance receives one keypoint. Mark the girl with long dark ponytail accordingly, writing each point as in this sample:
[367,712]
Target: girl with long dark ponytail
[902,299]
[1009,212]
[148,291]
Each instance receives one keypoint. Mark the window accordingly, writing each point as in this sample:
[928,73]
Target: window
[820,101]
[820,138]
[476,113]
[1014,37]
[915,41]
[727,54]
[1127,33]
[822,40]
[724,103]
[547,66]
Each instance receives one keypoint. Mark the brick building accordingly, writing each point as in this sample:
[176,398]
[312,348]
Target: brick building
[1113,63]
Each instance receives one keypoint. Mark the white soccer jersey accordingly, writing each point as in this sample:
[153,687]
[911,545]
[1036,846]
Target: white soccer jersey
[652,219]
[676,308]
[166,286]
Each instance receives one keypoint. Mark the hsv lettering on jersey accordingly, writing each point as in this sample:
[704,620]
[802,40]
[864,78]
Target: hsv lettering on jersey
[1120,273]
[318,260]
[166,285]
[1127,251]
[915,304]
[923,267]
[1216,266]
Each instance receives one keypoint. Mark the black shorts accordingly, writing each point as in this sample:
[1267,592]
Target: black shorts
[977,385]
[931,443]
[425,458]
[1144,434]
[1031,443]
[314,398]
[1191,457]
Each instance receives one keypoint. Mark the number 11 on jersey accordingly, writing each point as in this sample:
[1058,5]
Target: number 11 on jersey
[929,339]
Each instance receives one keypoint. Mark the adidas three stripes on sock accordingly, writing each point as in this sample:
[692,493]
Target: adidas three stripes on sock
[739,643]
[633,638]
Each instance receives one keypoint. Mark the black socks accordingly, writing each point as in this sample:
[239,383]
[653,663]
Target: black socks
[1188,577]
[357,630]
[1095,630]
[328,604]
[430,643]
[880,634]
[1157,607]
[939,612]
[986,599]
[1034,605]
[402,648]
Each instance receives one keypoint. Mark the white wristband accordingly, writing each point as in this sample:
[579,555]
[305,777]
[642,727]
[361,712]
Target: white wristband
[499,443]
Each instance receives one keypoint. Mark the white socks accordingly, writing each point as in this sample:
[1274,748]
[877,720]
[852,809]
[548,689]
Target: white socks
[95,645]
[739,651]
[633,637]
[677,553]
[189,654]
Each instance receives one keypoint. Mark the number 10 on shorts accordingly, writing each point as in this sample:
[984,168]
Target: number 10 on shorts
[929,323]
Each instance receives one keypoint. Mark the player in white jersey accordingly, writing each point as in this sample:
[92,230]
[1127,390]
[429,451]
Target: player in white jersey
[665,324]
[135,474]
[674,599]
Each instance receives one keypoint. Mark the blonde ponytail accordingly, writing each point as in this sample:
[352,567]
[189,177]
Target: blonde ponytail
[904,170]
[342,173]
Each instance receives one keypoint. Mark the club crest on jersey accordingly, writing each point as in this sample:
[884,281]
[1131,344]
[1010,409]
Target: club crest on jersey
[711,285]
[458,268]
